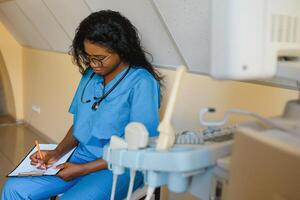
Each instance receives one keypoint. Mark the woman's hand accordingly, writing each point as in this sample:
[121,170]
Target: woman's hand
[70,171]
[49,157]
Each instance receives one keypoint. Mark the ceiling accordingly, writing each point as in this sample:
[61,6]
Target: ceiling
[173,31]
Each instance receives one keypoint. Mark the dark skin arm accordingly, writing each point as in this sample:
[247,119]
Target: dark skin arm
[52,156]
[68,170]
[68,143]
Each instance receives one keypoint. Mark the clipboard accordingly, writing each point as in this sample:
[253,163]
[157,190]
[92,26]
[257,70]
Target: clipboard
[24,168]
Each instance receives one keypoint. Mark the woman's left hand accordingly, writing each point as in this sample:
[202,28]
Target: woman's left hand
[70,171]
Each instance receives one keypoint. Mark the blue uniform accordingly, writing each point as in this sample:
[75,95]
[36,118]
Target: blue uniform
[135,99]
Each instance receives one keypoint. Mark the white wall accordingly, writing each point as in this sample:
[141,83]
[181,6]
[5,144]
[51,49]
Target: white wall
[50,80]
[198,91]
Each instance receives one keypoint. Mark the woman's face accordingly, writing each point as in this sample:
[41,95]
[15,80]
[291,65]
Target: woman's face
[103,61]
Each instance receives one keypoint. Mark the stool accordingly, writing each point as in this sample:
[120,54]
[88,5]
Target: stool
[141,193]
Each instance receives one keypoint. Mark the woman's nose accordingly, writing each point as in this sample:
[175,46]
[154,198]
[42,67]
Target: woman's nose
[93,65]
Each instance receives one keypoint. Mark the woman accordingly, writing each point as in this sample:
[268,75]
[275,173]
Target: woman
[118,86]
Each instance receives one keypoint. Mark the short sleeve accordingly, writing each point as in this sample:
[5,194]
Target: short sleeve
[145,103]
[76,98]
[74,104]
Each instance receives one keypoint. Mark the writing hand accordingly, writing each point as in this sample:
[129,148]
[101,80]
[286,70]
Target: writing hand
[49,157]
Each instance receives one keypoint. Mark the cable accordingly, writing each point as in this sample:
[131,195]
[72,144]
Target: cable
[115,143]
[241,112]
[131,183]
[136,136]
[114,184]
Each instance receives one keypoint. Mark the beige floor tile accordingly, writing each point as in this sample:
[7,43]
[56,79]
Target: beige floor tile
[15,143]
[6,166]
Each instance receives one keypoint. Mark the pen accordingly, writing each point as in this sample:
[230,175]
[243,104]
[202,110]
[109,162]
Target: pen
[39,149]
[39,152]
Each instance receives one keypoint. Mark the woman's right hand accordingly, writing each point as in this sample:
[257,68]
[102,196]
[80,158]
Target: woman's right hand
[49,157]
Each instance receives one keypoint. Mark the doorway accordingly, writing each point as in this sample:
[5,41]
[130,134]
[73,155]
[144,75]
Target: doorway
[7,105]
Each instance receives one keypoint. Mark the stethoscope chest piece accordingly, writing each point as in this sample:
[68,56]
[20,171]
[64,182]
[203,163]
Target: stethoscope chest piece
[95,106]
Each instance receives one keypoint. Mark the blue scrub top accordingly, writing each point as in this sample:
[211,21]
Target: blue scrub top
[135,99]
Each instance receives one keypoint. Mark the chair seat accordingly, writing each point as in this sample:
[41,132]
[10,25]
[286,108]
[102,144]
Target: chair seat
[139,193]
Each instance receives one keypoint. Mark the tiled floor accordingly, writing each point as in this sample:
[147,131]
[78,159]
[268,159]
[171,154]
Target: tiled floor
[15,142]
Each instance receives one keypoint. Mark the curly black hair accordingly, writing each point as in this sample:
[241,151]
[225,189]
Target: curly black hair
[114,31]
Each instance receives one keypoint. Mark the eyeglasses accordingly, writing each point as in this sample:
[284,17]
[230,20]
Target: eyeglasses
[96,60]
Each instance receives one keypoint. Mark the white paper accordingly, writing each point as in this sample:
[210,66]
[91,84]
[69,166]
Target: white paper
[27,168]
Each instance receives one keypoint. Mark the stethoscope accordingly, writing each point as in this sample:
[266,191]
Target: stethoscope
[96,104]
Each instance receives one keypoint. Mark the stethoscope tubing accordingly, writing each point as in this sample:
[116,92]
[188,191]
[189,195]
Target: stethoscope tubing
[96,104]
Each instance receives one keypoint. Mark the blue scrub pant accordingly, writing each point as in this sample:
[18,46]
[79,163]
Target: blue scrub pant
[96,185]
